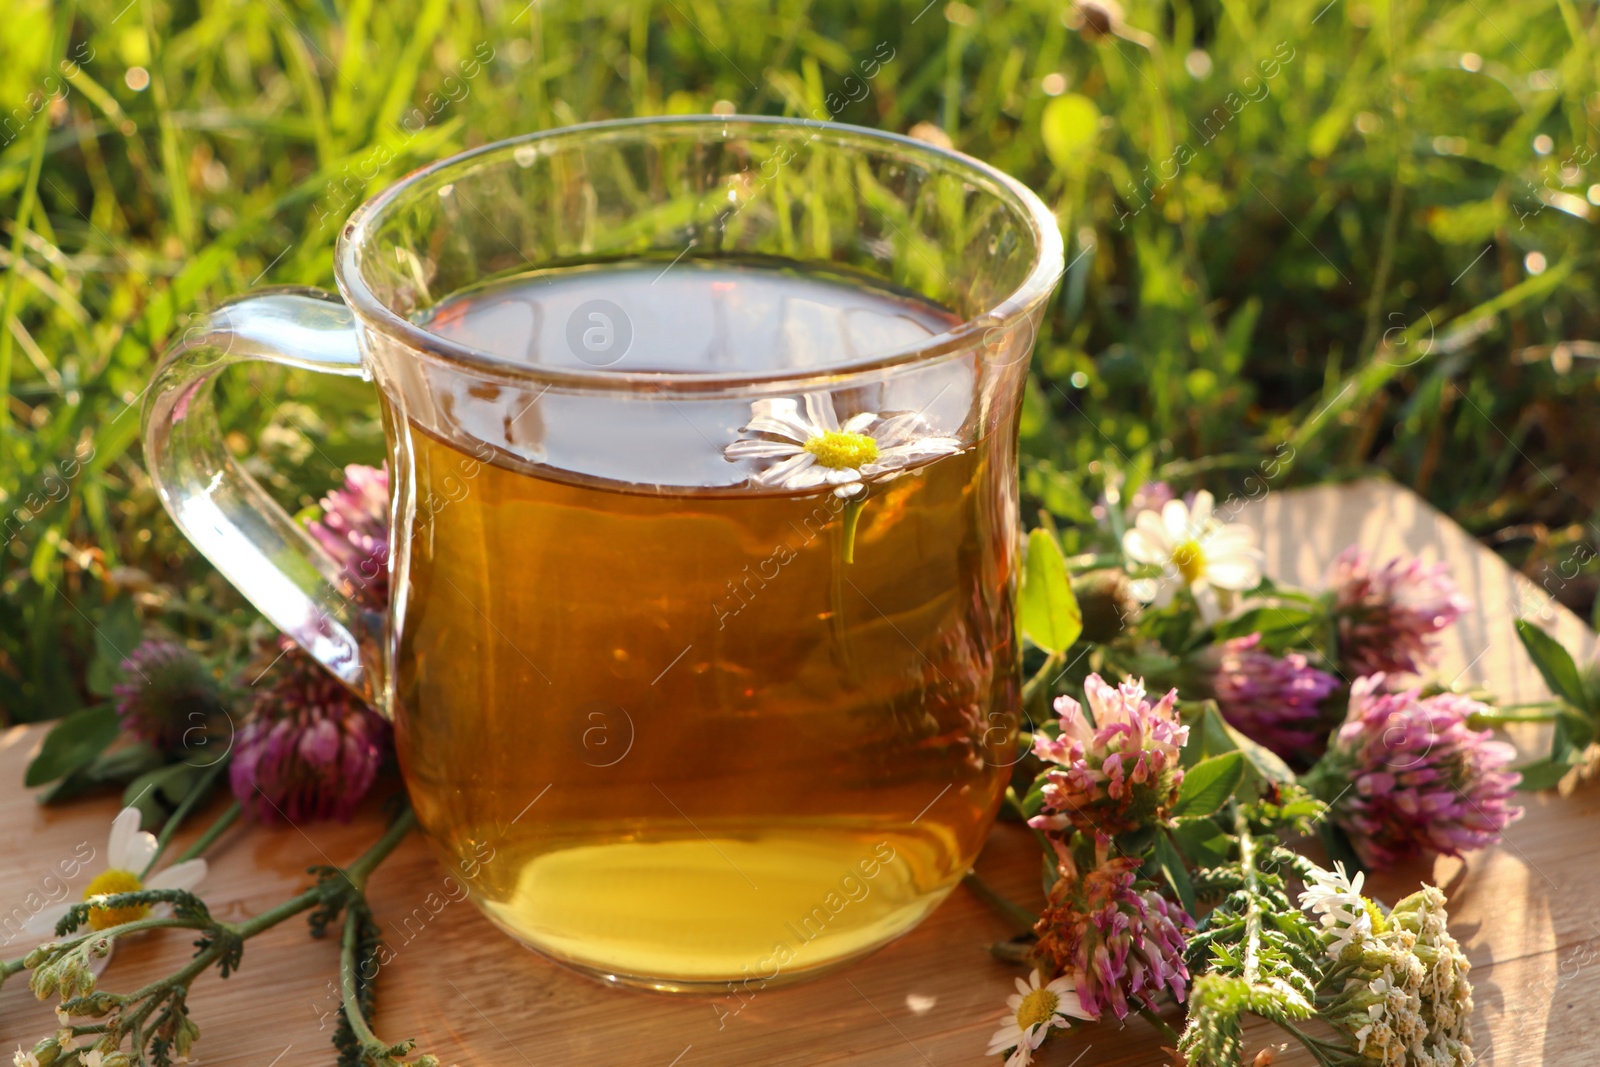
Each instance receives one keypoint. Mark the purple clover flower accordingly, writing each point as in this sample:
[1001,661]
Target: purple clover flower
[354,530]
[1421,779]
[310,749]
[1274,700]
[1386,618]
[1121,946]
[165,693]
[1116,771]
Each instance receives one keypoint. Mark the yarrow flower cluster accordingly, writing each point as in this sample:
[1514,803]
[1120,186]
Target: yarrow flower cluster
[1275,700]
[1386,619]
[1032,1012]
[1116,764]
[1336,900]
[1421,779]
[354,530]
[1121,946]
[310,750]
[1407,1001]
[166,694]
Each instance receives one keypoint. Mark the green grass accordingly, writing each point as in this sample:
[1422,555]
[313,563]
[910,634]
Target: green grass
[1334,273]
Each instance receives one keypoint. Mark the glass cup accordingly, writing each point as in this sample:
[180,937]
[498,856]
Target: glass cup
[699,639]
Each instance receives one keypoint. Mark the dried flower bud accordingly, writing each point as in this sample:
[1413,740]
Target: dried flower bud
[1106,599]
[1096,20]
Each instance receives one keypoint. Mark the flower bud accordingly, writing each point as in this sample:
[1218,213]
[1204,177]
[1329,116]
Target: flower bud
[1106,600]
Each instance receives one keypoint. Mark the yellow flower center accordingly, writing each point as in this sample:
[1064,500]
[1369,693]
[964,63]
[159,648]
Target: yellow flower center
[1190,559]
[108,883]
[1037,1007]
[838,450]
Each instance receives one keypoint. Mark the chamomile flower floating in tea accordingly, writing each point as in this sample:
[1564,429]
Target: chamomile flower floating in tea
[1193,549]
[814,449]
[128,853]
[1034,1010]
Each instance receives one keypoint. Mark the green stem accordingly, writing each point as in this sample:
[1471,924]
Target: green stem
[847,531]
[1252,887]
[1483,719]
[1160,1024]
[347,980]
[196,793]
[1010,909]
[1042,678]
[228,817]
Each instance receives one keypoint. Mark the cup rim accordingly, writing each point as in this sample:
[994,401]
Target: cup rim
[1003,316]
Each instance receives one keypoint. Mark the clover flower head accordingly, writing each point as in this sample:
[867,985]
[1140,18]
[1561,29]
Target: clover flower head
[1421,779]
[354,530]
[1122,946]
[1274,700]
[311,749]
[1116,765]
[165,693]
[1387,618]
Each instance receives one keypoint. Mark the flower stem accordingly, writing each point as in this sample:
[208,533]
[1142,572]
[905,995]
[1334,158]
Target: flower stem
[196,793]
[229,815]
[847,531]
[1010,909]
[359,871]
[1160,1024]
[1485,719]
[349,949]
[1041,679]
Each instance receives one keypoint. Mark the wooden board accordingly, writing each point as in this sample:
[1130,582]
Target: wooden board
[1528,911]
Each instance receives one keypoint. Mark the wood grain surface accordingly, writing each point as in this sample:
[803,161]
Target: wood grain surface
[1528,911]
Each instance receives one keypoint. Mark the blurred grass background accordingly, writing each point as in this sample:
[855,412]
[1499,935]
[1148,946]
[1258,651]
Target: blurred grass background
[1308,240]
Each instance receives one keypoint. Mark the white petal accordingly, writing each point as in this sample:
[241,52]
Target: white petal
[819,409]
[42,923]
[760,449]
[841,475]
[851,489]
[1205,599]
[1141,547]
[1150,524]
[809,478]
[185,875]
[897,429]
[1175,522]
[1204,507]
[1234,574]
[780,416]
[775,474]
[859,423]
[123,850]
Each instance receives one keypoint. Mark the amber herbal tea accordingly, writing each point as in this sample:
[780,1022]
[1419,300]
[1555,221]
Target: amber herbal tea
[708,700]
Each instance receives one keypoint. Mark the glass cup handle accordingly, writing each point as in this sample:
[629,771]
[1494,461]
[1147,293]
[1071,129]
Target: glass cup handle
[228,516]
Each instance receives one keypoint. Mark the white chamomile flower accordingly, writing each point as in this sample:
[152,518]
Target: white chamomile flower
[1194,549]
[1337,899]
[1034,1011]
[810,449]
[128,853]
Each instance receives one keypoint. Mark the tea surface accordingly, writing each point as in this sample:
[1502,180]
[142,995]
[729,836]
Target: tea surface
[668,730]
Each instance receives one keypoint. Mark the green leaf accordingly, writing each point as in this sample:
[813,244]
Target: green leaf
[1554,663]
[1541,774]
[1202,841]
[1282,627]
[1208,784]
[1046,606]
[73,743]
[1177,875]
[1033,801]
[1069,126]
[156,793]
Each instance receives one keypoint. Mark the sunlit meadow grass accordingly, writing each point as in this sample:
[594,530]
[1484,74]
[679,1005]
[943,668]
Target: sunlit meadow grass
[1306,239]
